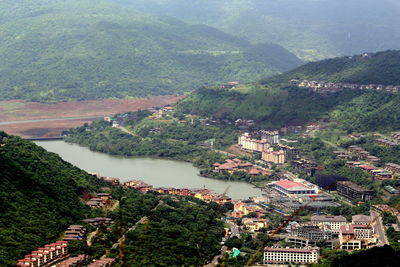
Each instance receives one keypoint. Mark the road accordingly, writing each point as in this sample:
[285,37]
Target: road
[379,228]
[215,259]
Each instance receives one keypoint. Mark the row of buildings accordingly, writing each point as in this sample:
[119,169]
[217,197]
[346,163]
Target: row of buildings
[377,173]
[235,165]
[45,256]
[363,154]
[330,87]
[203,194]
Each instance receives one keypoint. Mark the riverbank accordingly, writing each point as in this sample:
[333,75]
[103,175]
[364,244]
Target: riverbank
[154,171]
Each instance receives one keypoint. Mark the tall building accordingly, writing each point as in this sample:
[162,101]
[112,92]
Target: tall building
[307,255]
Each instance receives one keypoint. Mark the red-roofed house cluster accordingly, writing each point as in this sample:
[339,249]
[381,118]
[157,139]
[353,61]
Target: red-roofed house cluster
[235,165]
[203,194]
[46,255]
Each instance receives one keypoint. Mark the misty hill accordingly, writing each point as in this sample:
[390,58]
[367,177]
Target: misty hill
[54,50]
[312,29]
[39,196]
[379,68]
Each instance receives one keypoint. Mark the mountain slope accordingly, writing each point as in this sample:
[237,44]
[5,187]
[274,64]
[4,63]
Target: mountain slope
[274,102]
[56,50]
[379,68]
[312,29]
[39,196]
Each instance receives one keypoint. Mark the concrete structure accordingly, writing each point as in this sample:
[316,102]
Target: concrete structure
[271,137]
[46,255]
[288,187]
[291,153]
[361,219]
[354,191]
[312,232]
[275,255]
[334,222]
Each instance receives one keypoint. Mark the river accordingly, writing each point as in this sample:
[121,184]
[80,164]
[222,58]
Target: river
[154,171]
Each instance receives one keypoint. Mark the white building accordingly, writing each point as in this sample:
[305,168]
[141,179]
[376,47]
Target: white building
[250,144]
[356,236]
[307,255]
[334,222]
[288,187]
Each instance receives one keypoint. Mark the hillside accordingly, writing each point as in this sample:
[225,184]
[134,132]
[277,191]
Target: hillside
[55,50]
[312,29]
[274,102]
[39,196]
[378,68]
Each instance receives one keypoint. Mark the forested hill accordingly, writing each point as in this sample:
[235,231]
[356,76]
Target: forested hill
[378,68]
[39,196]
[312,29]
[55,50]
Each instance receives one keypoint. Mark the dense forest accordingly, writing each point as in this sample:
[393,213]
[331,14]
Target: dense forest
[54,50]
[311,29]
[39,196]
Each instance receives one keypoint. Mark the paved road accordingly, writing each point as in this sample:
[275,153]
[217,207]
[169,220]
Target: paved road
[379,228]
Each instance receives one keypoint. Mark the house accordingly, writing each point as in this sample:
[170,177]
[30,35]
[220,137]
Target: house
[74,261]
[106,262]
[254,224]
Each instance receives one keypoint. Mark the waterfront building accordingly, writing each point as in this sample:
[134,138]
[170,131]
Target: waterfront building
[288,187]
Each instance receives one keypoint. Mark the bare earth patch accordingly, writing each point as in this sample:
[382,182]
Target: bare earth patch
[61,114]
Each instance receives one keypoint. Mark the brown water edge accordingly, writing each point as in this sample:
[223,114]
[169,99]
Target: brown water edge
[63,114]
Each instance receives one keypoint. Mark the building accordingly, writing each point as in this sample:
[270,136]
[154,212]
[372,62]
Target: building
[254,224]
[276,255]
[312,232]
[355,236]
[277,157]
[334,222]
[271,137]
[46,255]
[74,261]
[288,187]
[361,219]
[354,191]
[250,144]
[392,167]
[291,153]
[305,166]
[106,262]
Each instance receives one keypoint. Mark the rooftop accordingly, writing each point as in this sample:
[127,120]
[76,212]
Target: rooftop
[287,184]
[328,218]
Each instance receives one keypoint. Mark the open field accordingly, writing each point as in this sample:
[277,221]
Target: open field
[62,116]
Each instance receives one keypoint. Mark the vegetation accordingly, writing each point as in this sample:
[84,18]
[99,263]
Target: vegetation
[379,68]
[39,196]
[311,29]
[169,139]
[269,107]
[56,50]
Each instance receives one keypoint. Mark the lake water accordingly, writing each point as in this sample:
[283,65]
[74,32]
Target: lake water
[154,171]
